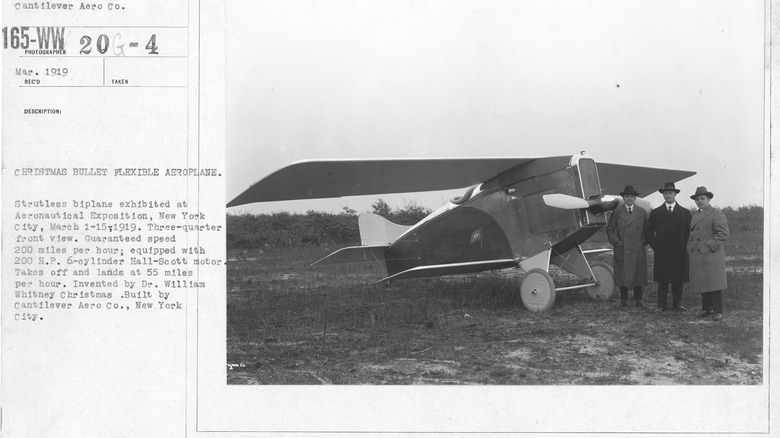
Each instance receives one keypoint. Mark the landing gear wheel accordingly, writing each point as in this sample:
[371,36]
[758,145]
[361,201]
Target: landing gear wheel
[537,290]
[605,276]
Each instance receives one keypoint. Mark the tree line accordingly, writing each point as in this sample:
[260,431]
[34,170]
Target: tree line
[314,228]
[317,228]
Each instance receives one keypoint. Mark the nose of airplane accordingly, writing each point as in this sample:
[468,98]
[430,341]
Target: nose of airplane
[602,203]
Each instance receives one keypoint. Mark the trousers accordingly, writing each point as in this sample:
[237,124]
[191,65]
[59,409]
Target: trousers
[712,301]
[637,293]
[663,291]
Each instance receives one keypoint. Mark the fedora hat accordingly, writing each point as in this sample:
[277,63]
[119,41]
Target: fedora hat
[629,190]
[669,187]
[702,191]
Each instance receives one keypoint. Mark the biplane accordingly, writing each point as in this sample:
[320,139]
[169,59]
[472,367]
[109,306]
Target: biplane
[527,213]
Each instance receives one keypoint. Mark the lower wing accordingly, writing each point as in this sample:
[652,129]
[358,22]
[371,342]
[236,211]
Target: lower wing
[452,268]
[354,254]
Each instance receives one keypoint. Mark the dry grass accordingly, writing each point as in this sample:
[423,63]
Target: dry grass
[289,323]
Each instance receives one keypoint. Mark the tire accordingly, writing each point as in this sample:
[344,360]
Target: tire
[605,276]
[537,290]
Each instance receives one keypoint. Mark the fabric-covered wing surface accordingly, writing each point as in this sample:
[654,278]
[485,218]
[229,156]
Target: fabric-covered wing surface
[646,180]
[335,178]
[355,254]
[452,268]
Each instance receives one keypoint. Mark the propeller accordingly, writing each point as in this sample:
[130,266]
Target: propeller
[597,204]
[566,202]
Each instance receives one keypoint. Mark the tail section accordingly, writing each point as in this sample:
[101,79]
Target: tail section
[376,235]
[376,230]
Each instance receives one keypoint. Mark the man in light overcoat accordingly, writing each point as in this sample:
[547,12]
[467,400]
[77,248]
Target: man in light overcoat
[626,233]
[667,233]
[708,233]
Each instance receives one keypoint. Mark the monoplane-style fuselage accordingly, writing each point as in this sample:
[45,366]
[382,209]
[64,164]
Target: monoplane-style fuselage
[506,218]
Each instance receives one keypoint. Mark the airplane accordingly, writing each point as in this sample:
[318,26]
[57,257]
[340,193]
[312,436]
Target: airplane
[527,213]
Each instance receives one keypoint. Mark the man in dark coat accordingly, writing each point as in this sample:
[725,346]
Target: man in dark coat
[625,231]
[667,233]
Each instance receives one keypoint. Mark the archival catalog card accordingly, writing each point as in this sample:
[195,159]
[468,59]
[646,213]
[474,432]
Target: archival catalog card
[128,126]
[112,213]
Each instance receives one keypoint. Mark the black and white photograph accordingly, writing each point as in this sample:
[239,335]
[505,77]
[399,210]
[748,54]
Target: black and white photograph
[496,193]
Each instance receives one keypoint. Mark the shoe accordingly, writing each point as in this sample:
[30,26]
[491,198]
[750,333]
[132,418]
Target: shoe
[641,305]
[660,309]
[717,317]
[704,313]
[679,309]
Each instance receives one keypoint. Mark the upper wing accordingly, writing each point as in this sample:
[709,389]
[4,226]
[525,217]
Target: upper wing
[336,178]
[646,180]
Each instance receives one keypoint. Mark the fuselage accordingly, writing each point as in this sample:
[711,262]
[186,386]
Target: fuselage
[506,218]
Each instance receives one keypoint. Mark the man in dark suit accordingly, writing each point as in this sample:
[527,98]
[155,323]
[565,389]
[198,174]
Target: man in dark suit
[667,233]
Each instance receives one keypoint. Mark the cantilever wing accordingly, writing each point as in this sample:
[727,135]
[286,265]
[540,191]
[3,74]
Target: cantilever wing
[646,180]
[336,178]
[314,179]
[452,268]
[355,254]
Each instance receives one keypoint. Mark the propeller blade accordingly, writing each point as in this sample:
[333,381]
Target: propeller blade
[566,202]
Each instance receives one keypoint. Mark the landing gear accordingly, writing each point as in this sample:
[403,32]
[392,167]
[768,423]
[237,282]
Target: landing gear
[604,289]
[537,290]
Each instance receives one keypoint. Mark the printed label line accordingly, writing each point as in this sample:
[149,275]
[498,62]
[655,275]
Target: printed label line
[107,56]
[113,27]
[102,86]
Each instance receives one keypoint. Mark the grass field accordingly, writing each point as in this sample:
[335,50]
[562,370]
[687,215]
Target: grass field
[288,323]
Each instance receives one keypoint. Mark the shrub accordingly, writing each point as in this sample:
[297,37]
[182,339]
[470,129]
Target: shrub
[286,230]
[315,228]
[746,218]
[410,214]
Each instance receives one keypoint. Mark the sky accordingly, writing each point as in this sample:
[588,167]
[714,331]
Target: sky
[652,83]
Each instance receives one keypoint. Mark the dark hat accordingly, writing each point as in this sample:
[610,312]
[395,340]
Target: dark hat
[629,190]
[669,187]
[702,191]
